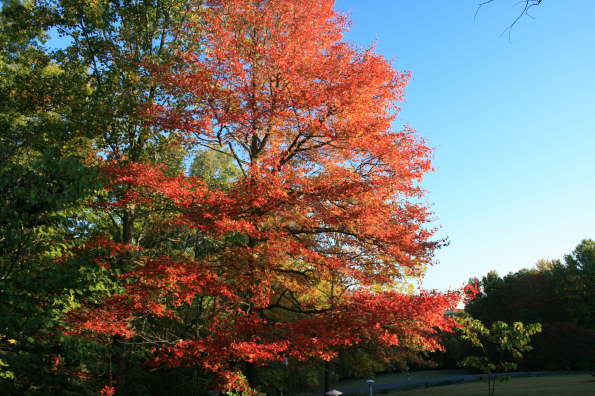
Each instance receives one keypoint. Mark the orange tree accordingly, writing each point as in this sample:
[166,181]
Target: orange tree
[300,254]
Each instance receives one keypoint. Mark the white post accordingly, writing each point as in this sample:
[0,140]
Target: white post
[370,383]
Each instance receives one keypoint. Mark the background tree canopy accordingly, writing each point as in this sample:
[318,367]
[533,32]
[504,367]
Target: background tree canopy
[558,294]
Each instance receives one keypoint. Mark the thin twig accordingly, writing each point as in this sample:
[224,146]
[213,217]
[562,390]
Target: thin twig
[527,5]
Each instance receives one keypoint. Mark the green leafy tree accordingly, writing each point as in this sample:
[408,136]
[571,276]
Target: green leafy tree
[66,107]
[498,347]
[216,167]
[575,281]
[46,180]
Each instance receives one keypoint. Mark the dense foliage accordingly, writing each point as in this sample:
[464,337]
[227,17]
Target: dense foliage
[558,294]
[66,106]
[194,193]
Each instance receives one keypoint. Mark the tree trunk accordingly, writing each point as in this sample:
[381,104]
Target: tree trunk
[120,361]
[120,353]
[127,227]
[327,377]
[250,373]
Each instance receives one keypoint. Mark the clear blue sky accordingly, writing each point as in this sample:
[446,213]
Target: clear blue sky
[512,123]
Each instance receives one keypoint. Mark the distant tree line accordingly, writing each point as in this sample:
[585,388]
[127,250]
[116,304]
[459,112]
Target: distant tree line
[559,294]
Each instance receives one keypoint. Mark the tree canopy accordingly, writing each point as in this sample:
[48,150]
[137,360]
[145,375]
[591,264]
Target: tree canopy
[206,187]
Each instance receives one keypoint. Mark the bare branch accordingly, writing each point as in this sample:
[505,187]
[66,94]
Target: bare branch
[526,4]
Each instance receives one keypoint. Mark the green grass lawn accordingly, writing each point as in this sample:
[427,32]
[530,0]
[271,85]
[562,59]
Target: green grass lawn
[571,385]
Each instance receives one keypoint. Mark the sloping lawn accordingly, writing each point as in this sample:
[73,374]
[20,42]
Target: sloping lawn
[571,385]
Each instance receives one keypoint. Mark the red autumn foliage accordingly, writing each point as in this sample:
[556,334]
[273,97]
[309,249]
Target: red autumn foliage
[107,391]
[325,220]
